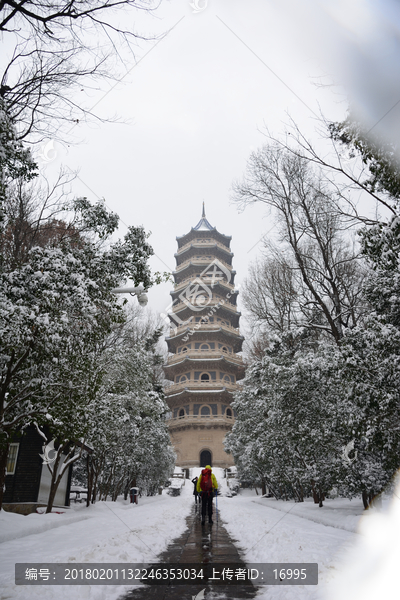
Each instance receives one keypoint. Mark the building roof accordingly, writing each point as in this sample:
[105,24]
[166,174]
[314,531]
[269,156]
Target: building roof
[204,225]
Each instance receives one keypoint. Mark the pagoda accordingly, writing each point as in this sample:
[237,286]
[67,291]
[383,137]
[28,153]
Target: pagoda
[204,341]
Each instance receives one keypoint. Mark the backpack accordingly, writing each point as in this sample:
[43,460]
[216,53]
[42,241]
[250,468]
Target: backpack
[205,482]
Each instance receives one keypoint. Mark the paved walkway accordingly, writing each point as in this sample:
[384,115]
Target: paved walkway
[200,545]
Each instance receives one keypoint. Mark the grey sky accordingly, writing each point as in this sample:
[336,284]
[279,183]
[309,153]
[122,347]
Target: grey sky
[196,104]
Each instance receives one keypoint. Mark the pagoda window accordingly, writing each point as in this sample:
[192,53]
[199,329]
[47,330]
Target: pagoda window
[205,411]
[184,348]
[213,375]
[205,347]
[181,413]
[229,413]
[202,320]
[205,377]
[223,322]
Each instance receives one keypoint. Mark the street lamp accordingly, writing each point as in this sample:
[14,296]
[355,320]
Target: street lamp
[137,291]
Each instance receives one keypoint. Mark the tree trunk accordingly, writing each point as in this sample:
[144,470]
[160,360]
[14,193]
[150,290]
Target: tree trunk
[89,470]
[314,492]
[107,487]
[126,490]
[54,482]
[298,490]
[55,479]
[94,493]
[368,499]
[97,469]
[3,464]
[263,487]
[321,497]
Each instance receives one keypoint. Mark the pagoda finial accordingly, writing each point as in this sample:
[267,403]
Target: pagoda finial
[204,211]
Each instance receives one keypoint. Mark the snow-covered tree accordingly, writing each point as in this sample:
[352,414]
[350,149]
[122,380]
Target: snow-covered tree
[55,311]
[287,421]
[128,433]
[371,368]
[307,402]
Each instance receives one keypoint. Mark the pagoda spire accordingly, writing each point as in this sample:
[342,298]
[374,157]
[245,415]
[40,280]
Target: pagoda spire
[203,224]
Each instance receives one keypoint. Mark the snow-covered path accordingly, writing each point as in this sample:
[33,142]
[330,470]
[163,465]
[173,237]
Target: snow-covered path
[270,535]
[119,532]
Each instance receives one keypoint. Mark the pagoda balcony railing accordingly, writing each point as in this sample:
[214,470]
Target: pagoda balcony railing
[203,260]
[204,354]
[203,327]
[202,244]
[201,385]
[200,419]
[200,307]
[207,280]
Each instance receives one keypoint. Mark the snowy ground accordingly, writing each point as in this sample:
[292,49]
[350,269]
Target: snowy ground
[265,530]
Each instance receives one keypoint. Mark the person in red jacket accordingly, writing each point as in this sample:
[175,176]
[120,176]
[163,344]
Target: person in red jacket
[207,487]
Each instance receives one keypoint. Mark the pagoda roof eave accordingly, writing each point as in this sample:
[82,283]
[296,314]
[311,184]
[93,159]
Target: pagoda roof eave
[227,251]
[233,314]
[191,264]
[213,229]
[187,391]
[239,366]
[206,331]
[231,292]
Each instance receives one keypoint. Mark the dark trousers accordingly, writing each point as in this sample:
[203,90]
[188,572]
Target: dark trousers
[206,505]
[196,495]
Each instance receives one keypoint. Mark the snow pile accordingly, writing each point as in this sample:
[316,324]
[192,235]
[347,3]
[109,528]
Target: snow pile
[106,532]
[371,566]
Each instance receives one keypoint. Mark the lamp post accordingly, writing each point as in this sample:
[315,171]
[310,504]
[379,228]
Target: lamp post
[137,291]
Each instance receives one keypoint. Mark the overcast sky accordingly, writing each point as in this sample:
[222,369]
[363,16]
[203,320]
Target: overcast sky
[194,104]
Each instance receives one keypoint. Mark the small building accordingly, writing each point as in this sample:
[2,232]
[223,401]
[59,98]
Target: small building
[28,480]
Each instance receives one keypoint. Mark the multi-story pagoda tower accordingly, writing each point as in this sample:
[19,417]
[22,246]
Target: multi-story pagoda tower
[204,342]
